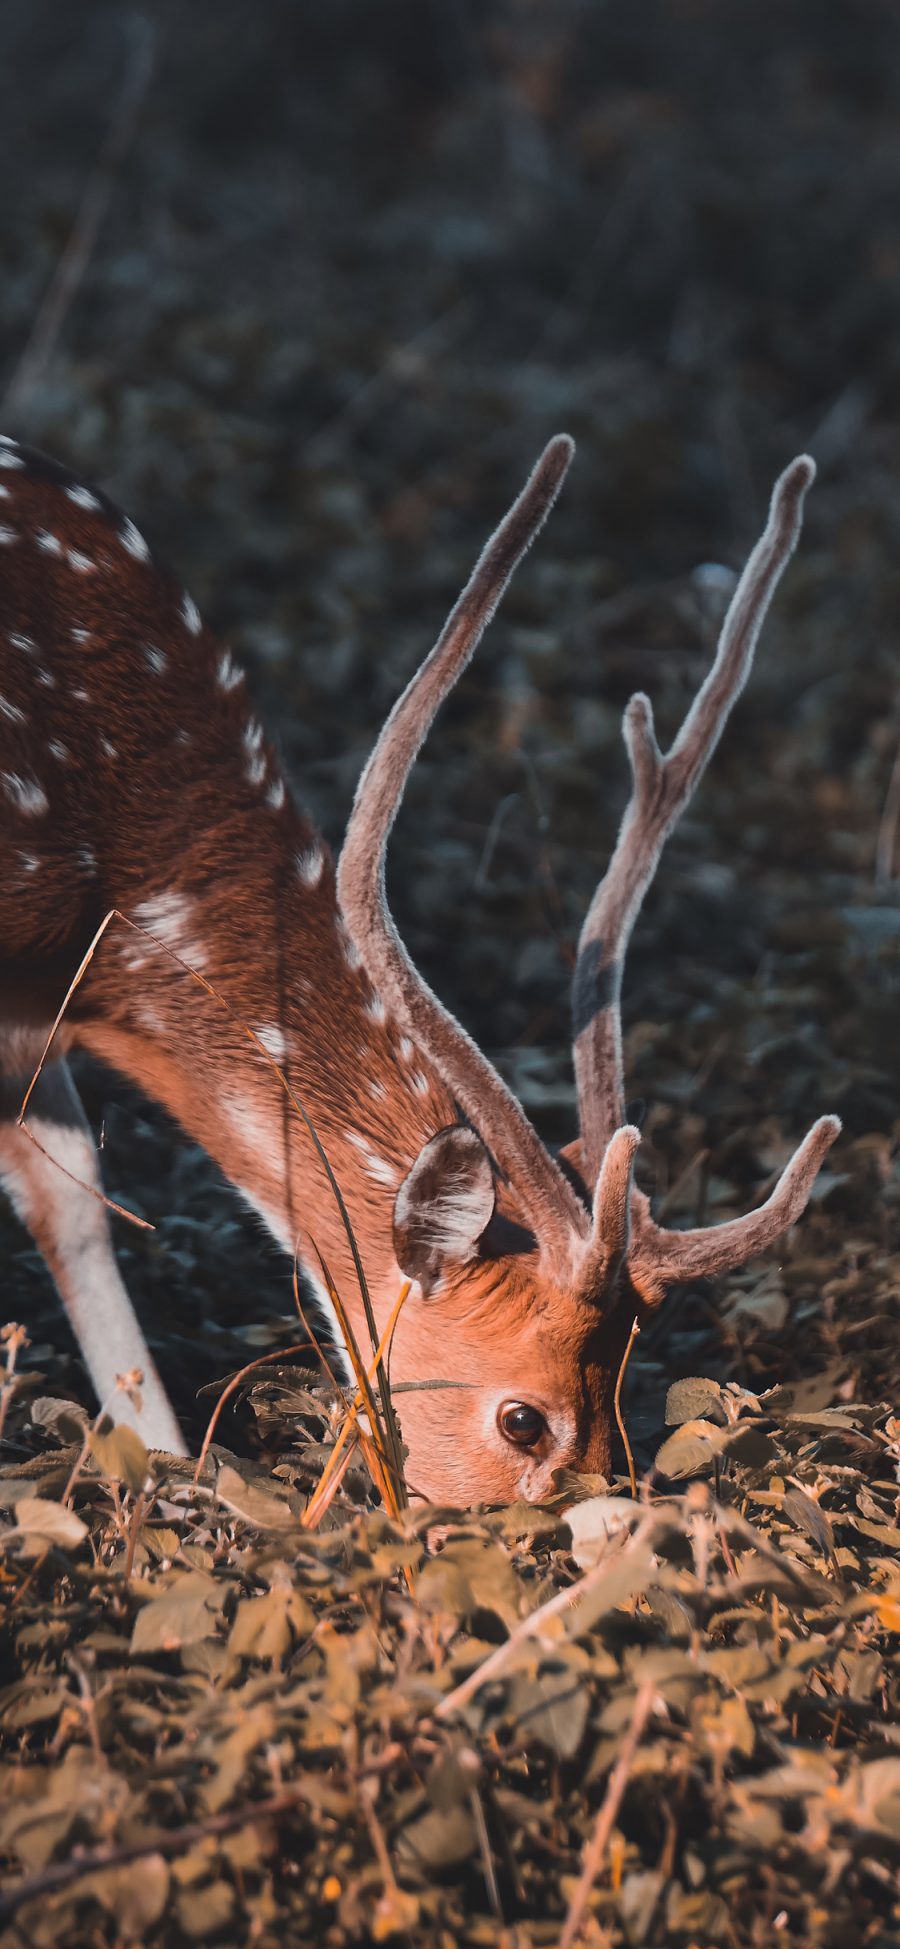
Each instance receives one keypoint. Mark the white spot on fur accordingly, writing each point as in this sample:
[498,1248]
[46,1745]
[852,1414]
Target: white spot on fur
[274,1040]
[256,768]
[82,564]
[4,494]
[407,1049]
[275,795]
[377,1090]
[8,536]
[81,635]
[29,862]
[135,954]
[83,498]
[25,794]
[82,696]
[11,711]
[310,865]
[86,859]
[256,1128]
[228,676]
[382,1172]
[132,539]
[156,660]
[377,1167]
[375,1009]
[253,735]
[419,1082]
[21,642]
[59,751]
[45,677]
[170,916]
[8,459]
[191,614]
[150,1018]
[50,544]
[109,749]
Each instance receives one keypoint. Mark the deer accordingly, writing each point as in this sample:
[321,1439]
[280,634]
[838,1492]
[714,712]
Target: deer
[135,780]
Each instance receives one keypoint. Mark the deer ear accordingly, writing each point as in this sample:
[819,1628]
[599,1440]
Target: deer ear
[443,1206]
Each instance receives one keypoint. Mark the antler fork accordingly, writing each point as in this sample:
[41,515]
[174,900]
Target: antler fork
[661,788]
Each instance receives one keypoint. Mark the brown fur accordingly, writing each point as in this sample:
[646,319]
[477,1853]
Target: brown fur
[132,776]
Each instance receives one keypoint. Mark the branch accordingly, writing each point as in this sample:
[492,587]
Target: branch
[606,1817]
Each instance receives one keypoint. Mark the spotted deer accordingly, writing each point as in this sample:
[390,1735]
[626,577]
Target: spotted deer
[134,777]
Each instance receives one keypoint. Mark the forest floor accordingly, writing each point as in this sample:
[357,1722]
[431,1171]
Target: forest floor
[350,275]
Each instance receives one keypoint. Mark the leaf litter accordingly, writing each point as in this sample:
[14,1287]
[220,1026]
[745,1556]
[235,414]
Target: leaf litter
[617,1721]
[238,1719]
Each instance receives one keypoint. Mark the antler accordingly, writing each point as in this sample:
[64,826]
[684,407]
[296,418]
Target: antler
[661,1259]
[553,1207]
[661,787]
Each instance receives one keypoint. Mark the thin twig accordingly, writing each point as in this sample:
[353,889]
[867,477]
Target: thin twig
[617,1404]
[606,1818]
[262,1360]
[21,1124]
[491,1883]
[72,266]
[609,1567]
[93,1860]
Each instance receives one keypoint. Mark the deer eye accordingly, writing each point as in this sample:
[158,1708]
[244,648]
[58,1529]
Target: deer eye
[521,1424]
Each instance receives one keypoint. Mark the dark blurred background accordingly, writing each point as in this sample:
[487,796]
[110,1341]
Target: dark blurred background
[306,288]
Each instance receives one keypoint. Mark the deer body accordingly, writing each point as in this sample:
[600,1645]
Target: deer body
[134,777]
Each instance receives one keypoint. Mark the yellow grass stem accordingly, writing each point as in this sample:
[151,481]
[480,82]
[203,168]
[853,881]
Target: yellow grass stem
[313,1509]
[617,1403]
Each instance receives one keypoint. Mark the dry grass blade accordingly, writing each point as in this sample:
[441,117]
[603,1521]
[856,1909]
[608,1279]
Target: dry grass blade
[350,1426]
[617,1404]
[91,1189]
[383,1443]
[262,1360]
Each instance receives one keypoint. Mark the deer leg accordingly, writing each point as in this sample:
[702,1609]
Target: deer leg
[71,1229]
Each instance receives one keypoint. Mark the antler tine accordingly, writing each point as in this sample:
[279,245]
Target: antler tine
[361,889]
[611,1234]
[661,1259]
[661,787]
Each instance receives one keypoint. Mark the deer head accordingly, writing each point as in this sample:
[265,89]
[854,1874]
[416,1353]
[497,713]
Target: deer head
[528,1272]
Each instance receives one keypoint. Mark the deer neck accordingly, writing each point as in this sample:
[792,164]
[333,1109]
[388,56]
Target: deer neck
[321,1042]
